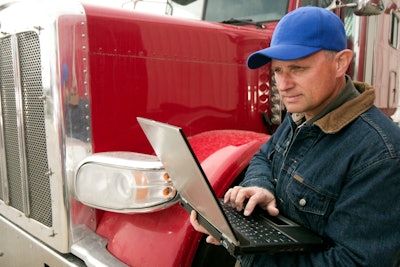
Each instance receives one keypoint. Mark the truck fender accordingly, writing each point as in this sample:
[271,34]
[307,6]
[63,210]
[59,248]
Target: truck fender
[224,154]
[166,237]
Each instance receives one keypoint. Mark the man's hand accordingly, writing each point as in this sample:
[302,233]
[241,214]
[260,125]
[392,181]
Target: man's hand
[237,195]
[193,220]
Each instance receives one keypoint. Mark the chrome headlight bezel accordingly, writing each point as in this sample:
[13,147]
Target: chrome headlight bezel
[123,182]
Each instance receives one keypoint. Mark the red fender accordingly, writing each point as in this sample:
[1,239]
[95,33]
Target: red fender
[166,237]
[224,154]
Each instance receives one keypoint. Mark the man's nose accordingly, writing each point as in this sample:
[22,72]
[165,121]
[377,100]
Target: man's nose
[284,81]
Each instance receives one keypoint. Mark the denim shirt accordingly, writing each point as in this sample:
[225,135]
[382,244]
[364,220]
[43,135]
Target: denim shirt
[339,177]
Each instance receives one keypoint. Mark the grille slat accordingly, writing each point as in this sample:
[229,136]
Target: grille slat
[33,130]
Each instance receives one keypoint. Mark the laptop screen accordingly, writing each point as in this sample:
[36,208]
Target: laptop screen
[174,151]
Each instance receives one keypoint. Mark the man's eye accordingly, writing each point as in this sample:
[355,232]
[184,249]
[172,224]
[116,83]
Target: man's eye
[297,69]
[277,70]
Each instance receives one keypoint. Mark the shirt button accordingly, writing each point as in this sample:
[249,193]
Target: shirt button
[302,202]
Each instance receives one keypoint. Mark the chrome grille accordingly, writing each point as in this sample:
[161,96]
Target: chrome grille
[25,169]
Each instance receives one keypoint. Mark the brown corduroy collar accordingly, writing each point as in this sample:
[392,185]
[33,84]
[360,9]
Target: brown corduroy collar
[337,119]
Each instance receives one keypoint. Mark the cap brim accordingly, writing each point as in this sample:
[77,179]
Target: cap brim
[279,52]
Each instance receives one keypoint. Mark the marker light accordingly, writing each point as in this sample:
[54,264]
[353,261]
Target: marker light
[276,103]
[124,182]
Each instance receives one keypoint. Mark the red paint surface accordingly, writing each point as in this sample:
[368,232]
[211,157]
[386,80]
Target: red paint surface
[188,73]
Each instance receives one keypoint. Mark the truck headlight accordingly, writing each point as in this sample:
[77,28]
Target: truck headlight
[123,182]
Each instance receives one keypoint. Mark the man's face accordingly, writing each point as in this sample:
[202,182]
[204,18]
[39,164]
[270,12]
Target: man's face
[307,85]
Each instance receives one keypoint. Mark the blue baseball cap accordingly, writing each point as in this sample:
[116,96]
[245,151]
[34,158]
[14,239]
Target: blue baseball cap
[301,33]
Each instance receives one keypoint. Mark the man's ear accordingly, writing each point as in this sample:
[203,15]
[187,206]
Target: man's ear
[343,60]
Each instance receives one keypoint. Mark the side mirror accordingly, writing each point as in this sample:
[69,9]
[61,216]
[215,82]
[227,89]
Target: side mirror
[183,2]
[5,4]
[361,7]
[369,7]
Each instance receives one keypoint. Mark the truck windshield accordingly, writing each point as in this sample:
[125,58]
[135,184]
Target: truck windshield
[230,10]
[255,10]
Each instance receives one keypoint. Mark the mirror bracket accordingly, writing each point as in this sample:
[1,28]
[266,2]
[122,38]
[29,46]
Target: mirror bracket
[361,7]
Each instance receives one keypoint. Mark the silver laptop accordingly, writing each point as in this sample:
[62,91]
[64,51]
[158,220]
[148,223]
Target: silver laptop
[239,234]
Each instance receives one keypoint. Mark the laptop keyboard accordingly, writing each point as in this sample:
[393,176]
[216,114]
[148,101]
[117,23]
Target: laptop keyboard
[255,228]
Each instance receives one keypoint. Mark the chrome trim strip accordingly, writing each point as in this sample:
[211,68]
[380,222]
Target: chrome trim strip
[20,125]
[3,165]
[92,248]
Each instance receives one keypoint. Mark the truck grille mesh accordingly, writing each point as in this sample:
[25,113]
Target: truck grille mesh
[32,134]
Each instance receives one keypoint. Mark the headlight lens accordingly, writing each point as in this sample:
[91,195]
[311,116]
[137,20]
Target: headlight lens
[123,182]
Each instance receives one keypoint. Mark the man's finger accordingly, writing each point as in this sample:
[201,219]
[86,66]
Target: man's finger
[195,223]
[250,205]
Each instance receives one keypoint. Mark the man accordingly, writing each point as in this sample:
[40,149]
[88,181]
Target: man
[334,163]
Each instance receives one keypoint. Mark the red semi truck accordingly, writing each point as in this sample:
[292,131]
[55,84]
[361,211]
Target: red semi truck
[79,183]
